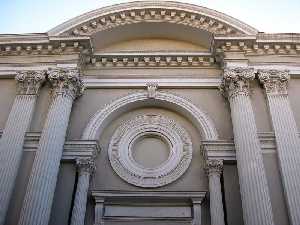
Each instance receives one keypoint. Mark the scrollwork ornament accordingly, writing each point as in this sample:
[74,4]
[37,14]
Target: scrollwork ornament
[30,81]
[66,82]
[275,82]
[85,165]
[236,81]
[214,167]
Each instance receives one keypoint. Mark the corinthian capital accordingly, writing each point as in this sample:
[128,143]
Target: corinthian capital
[66,82]
[214,167]
[275,81]
[29,82]
[86,165]
[236,81]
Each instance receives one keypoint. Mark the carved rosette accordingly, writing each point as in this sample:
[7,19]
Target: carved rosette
[236,81]
[66,82]
[214,167]
[29,82]
[275,81]
[85,165]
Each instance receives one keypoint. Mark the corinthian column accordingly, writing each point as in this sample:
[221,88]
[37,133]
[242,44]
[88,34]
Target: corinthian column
[11,143]
[214,171]
[287,139]
[85,167]
[255,196]
[66,86]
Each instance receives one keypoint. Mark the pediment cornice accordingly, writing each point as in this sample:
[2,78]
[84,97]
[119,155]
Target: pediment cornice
[153,11]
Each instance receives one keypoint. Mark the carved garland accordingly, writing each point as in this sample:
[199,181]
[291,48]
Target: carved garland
[120,151]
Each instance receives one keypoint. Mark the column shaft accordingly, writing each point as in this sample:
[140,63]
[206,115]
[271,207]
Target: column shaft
[215,168]
[253,182]
[11,147]
[79,209]
[287,139]
[85,167]
[255,196]
[42,182]
[11,143]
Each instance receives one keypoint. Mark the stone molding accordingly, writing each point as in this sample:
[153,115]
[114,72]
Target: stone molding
[200,119]
[152,59]
[260,44]
[274,81]
[33,45]
[66,82]
[152,11]
[214,167]
[236,81]
[179,143]
[29,82]
[213,149]
[85,165]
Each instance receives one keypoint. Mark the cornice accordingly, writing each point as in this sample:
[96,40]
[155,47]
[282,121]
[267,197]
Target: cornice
[260,44]
[153,11]
[42,44]
[151,59]
[73,149]
[225,149]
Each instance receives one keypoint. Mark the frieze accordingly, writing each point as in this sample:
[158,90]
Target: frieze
[151,60]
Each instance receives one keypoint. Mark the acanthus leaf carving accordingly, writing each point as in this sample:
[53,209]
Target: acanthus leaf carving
[85,165]
[236,81]
[275,82]
[66,82]
[29,81]
[214,167]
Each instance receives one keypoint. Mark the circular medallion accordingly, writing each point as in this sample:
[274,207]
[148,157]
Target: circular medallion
[150,151]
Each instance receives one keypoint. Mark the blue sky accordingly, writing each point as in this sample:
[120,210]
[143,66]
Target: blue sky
[36,16]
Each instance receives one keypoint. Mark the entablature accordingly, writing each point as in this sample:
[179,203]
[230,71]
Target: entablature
[260,44]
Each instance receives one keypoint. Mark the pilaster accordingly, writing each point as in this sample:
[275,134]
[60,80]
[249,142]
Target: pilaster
[66,86]
[256,201]
[85,166]
[275,83]
[214,171]
[18,122]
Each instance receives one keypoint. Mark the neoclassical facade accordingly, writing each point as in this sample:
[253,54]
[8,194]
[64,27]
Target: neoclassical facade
[150,113]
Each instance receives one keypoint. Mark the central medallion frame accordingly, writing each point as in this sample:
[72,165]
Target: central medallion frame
[170,132]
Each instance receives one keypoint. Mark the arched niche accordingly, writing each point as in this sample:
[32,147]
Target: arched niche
[166,100]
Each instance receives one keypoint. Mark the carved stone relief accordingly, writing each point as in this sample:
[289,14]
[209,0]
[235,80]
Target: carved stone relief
[155,126]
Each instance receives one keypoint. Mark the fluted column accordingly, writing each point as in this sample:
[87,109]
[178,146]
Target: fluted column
[214,171]
[255,196]
[66,85]
[11,143]
[85,167]
[288,143]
